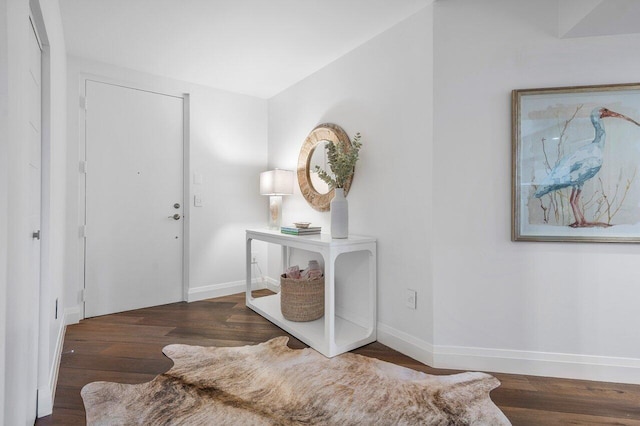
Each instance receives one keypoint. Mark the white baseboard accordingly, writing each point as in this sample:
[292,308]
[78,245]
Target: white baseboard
[272,284]
[404,343]
[547,364]
[218,290]
[46,395]
[550,364]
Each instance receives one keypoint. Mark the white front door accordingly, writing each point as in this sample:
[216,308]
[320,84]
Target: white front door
[134,187]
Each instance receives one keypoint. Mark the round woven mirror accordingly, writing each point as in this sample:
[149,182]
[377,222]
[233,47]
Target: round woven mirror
[313,153]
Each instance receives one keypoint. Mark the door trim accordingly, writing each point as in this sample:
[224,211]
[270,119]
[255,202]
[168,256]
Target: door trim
[186,182]
[82,139]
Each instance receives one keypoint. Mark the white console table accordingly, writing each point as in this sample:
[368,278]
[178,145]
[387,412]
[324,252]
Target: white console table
[330,335]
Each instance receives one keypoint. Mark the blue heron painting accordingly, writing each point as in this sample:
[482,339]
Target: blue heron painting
[574,169]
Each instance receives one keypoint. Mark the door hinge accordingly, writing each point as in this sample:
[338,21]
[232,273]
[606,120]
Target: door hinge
[83,295]
[83,231]
[83,103]
[83,167]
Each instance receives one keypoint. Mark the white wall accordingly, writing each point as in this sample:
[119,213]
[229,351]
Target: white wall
[538,308]
[437,193]
[382,89]
[228,147]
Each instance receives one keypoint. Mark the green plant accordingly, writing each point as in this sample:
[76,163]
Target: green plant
[342,160]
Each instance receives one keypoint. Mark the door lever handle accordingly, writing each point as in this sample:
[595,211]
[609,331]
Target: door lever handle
[175,217]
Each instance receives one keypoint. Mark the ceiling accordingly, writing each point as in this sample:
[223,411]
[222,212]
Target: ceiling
[261,47]
[255,47]
[586,18]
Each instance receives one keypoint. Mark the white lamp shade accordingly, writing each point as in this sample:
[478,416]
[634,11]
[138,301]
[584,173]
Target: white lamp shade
[276,182]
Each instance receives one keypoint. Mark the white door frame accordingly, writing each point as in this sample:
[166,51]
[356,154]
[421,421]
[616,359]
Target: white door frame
[186,197]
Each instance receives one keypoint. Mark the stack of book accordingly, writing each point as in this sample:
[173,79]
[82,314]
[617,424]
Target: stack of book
[292,230]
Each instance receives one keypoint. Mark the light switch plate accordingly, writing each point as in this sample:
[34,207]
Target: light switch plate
[197,201]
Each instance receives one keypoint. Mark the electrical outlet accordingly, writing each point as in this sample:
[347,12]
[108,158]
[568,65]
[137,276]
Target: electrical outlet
[410,298]
[254,258]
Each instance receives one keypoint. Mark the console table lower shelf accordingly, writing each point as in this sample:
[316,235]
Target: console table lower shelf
[346,334]
[338,330]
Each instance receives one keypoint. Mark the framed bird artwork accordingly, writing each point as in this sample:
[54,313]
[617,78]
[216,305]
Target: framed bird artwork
[575,164]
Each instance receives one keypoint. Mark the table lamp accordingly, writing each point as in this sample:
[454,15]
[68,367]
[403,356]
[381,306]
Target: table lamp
[275,184]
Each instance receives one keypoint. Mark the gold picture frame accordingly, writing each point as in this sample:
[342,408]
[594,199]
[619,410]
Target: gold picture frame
[575,164]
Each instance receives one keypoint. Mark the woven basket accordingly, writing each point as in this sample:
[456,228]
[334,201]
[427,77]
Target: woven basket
[301,300]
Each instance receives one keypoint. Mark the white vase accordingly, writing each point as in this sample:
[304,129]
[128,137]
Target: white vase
[339,215]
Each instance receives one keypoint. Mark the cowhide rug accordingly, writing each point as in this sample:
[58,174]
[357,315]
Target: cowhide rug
[270,384]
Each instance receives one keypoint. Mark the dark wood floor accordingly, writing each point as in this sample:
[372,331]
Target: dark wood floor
[126,348]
